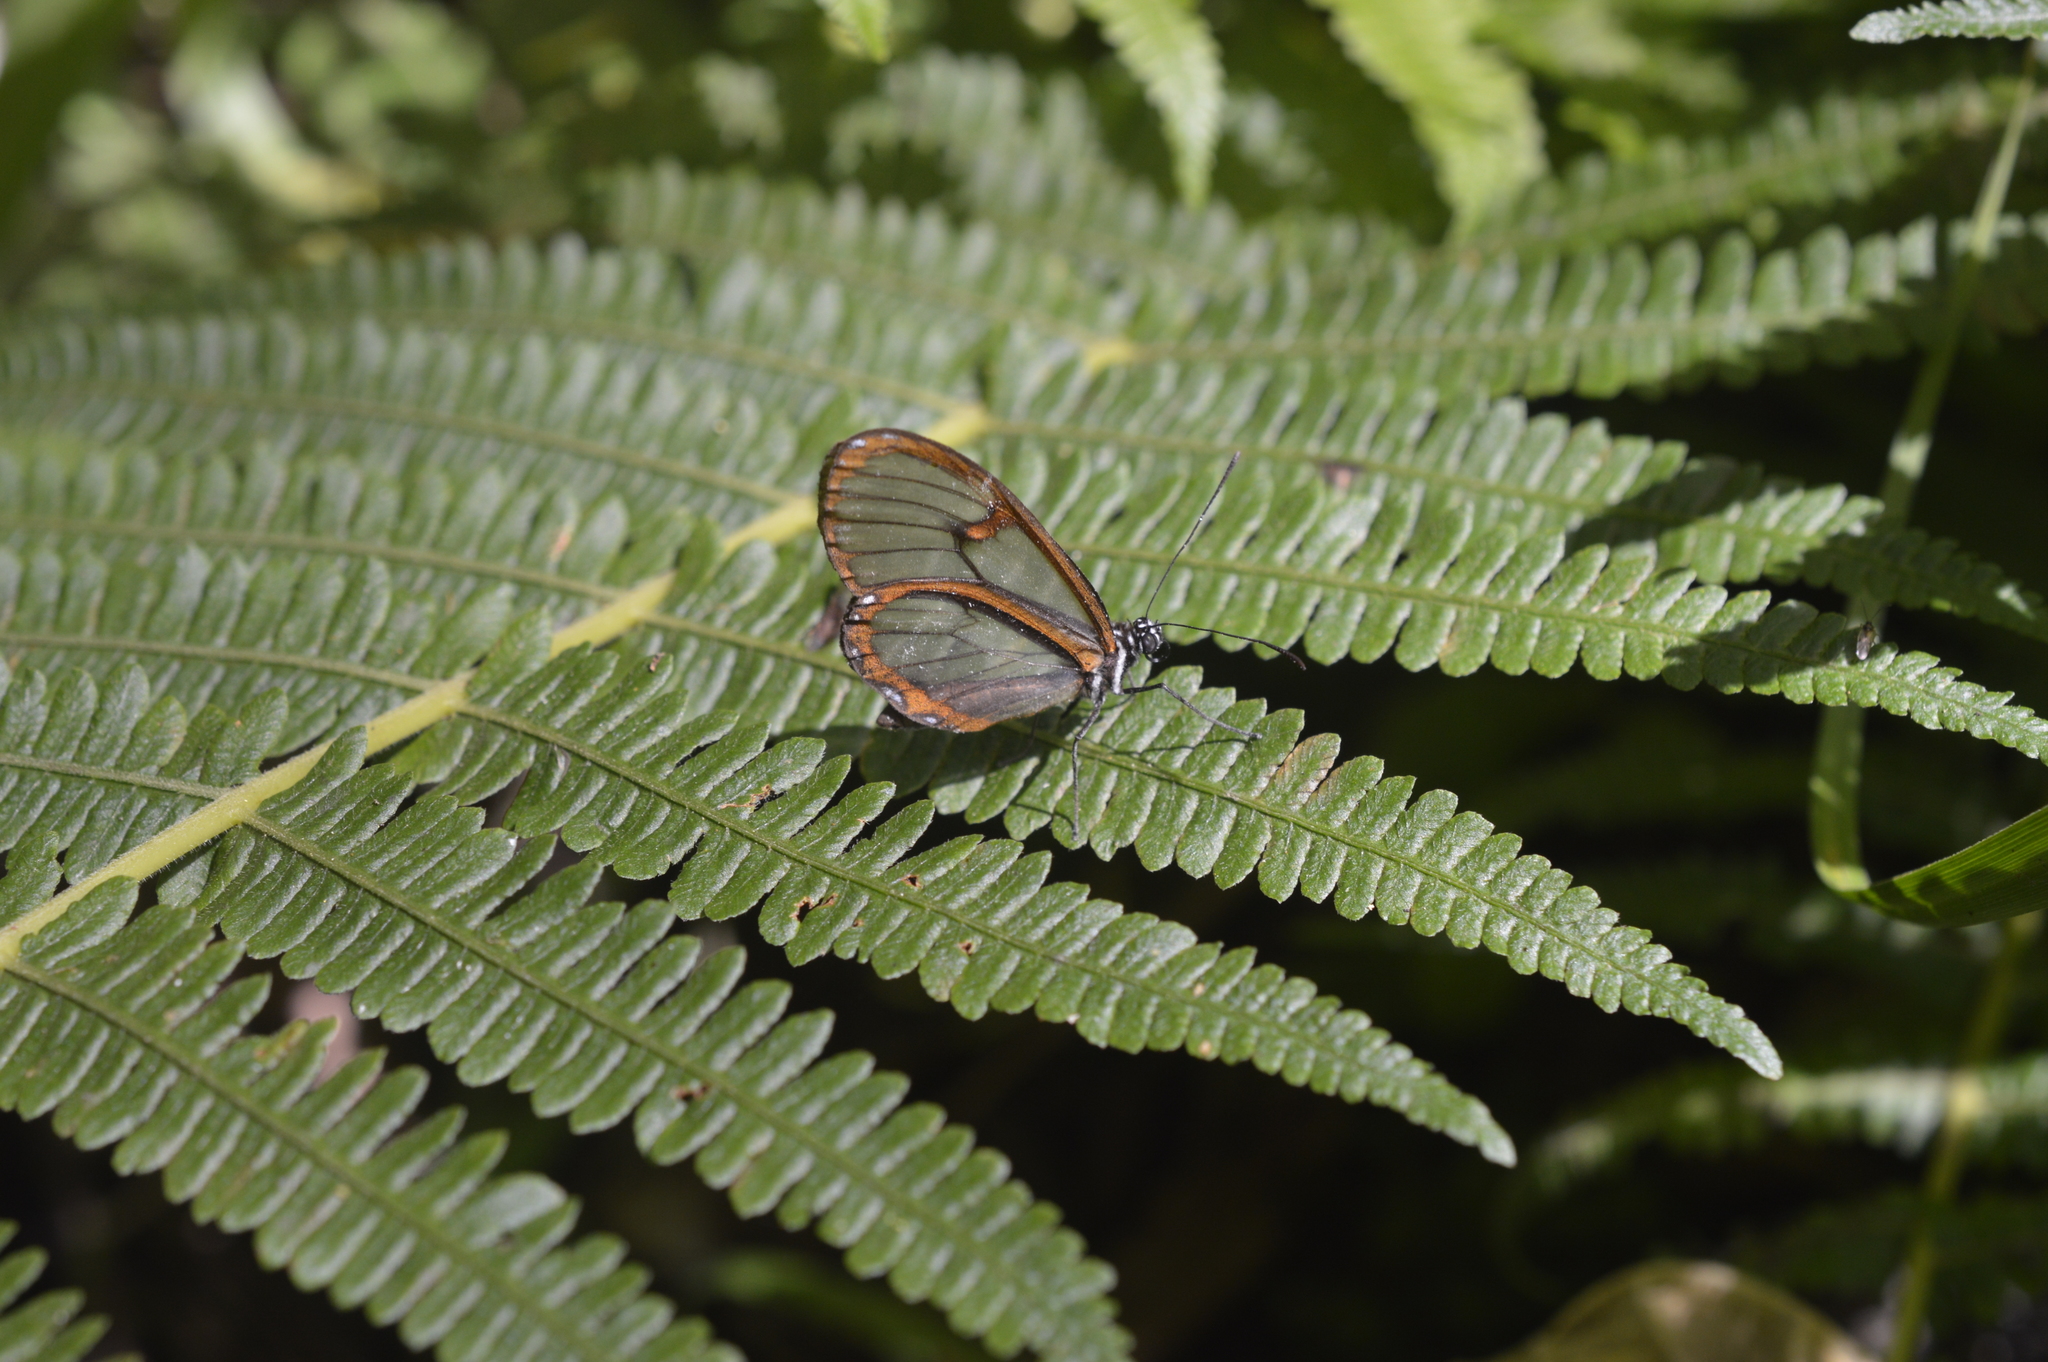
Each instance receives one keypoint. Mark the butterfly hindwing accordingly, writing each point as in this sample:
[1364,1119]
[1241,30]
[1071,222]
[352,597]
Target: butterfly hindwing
[952,662]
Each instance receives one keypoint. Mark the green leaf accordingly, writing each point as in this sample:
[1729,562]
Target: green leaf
[865,22]
[1170,49]
[1841,148]
[54,51]
[44,1328]
[133,1036]
[1472,109]
[605,1015]
[1686,1309]
[973,919]
[2001,876]
[1706,1112]
[1955,19]
[1026,157]
[416,911]
[1159,778]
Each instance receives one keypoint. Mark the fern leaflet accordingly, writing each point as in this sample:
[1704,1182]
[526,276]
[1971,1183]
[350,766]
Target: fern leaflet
[1158,780]
[131,1036]
[1695,1111]
[44,1328]
[974,920]
[1170,49]
[1955,19]
[1841,148]
[604,1015]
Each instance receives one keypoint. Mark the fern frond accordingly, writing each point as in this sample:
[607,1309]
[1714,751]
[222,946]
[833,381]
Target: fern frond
[1596,322]
[975,920]
[44,1328]
[1170,49]
[1728,522]
[404,546]
[1403,580]
[1159,779]
[604,1015]
[1285,561]
[1600,322]
[1028,158]
[1708,1113]
[561,368]
[1955,19]
[984,932]
[1415,861]
[564,388]
[866,22]
[1840,148]
[1470,106]
[132,1036]
[1459,886]
[882,253]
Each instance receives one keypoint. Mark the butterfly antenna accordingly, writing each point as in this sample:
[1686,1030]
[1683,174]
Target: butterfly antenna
[1193,530]
[1225,633]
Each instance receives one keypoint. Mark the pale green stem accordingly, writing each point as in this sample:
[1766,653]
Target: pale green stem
[1834,789]
[1908,457]
[1960,1110]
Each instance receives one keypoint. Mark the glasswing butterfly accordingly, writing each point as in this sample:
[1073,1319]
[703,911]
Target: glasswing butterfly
[964,611]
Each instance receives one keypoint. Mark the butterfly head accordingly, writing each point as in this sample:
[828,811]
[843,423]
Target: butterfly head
[1141,638]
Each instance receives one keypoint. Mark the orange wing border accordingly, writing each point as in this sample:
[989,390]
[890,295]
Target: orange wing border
[850,455]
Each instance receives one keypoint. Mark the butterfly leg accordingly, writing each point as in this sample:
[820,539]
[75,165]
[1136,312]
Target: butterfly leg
[1161,685]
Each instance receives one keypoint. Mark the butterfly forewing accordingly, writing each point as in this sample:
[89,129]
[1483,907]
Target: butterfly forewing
[964,612]
[898,507]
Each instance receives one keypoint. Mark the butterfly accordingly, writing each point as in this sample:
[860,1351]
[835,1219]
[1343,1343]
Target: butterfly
[964,612]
